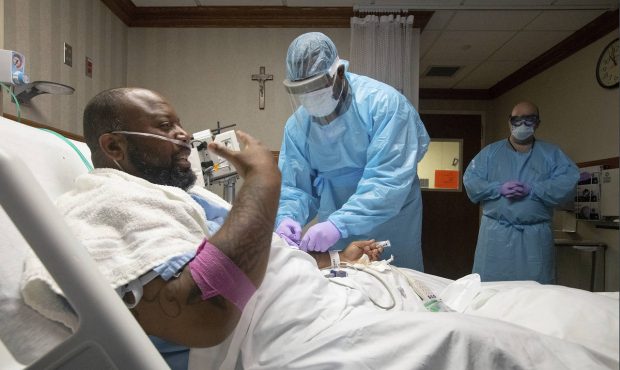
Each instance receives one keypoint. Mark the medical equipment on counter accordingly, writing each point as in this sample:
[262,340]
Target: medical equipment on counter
[215,169]
[12,68]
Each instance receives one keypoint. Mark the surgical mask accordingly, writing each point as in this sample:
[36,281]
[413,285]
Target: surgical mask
[320,103]
[521,132]
[174,141]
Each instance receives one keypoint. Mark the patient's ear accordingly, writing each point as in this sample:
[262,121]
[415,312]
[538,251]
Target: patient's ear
[113,145]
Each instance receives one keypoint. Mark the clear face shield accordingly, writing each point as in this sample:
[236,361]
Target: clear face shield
[319,97]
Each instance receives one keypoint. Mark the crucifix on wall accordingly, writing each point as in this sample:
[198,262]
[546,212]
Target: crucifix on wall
[261,78]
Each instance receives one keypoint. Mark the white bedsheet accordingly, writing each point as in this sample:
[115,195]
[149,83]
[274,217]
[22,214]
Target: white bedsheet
[321,325]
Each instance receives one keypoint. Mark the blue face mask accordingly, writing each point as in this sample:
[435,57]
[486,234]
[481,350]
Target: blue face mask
[522,132]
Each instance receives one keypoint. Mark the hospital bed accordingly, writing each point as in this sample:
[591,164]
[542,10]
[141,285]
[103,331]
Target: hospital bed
[37,166]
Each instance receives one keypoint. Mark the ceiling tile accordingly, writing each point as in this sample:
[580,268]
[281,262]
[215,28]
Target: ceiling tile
[527,45]
[439,20]
[467,45]
[488,74]
[164,2]
[240,2]
[563,20]
[418,4]
[507,4]
[444,82]
[427,39]
[492,20]
[610,4]
[319,3]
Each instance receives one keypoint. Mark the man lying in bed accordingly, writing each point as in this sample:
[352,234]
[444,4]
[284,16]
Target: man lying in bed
[260,303]
[135,135]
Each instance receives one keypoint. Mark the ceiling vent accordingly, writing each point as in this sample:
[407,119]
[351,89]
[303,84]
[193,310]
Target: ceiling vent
[441,71]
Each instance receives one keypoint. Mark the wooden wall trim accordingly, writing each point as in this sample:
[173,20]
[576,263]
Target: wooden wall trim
[607,163]
[601,26]
[123,9]
[28,122]
[241,16]
[455,94]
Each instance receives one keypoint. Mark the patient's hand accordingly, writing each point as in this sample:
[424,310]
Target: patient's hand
[356,250]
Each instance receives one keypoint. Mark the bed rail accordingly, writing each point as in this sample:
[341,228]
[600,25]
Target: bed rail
[108,336]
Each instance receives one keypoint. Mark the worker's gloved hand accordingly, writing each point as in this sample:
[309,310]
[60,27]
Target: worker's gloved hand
[289,241]
[522,190]
[320,237]
[290,230]
[509,188]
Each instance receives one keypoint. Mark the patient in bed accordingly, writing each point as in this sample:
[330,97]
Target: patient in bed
[255,301]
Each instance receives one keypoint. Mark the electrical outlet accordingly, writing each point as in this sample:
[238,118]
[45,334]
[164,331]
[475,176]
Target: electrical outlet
[68,55]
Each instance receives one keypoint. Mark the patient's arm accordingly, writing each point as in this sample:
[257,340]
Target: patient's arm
[351,253]
[174,310]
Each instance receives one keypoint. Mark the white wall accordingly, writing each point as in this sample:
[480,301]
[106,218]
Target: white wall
[206,74]
[38,29]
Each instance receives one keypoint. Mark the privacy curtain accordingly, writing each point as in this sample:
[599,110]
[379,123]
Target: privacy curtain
[386,48]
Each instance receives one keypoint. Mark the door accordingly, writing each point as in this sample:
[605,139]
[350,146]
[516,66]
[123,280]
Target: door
[450,220]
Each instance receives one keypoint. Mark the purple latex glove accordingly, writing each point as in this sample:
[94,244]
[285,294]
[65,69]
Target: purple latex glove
[320,237]
[288,241]
[510,188]
[522,189]
[290,230]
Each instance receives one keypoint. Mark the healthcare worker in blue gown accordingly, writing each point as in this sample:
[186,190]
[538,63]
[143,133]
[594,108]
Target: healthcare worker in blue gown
[518,181]
[349,156]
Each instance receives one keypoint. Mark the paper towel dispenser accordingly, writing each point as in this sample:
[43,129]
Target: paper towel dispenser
[610,191]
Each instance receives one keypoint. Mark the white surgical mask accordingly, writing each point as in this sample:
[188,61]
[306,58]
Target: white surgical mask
[174,141]
[320,103]
[522,132]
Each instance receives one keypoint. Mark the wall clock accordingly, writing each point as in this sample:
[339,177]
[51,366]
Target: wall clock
[607,70]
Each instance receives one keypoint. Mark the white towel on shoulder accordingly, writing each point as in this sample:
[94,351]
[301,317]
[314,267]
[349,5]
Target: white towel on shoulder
[127,224]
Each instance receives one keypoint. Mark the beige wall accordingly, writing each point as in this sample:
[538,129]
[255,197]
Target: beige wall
[38,29]
[576,112]
[206,74]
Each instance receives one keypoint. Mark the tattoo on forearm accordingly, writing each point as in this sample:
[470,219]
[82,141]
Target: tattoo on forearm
[166,300]
[248,229]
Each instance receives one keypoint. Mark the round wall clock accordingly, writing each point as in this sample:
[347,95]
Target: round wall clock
[607,71]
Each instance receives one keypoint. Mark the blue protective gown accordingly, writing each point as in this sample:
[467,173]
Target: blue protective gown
[360,171]
[515,241]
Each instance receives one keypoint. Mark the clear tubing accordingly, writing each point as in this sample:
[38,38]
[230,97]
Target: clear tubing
[174,141]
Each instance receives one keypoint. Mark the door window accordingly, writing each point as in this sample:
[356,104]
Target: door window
[441,167]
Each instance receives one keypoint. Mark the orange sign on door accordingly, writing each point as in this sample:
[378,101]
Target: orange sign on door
[446,179]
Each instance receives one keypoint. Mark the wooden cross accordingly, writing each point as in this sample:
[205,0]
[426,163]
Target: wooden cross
[261,78]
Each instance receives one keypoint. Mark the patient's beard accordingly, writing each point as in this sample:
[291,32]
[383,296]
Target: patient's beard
[171,176]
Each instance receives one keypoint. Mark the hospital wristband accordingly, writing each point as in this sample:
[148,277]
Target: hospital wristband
[334,257]
[216,274]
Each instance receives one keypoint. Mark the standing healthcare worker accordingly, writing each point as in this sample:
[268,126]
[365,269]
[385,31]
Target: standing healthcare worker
[349,156]
[518,181]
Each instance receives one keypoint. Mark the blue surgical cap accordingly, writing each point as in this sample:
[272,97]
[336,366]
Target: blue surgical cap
[309,55]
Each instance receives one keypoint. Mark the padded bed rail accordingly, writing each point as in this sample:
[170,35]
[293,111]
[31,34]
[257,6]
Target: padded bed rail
[108,336]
